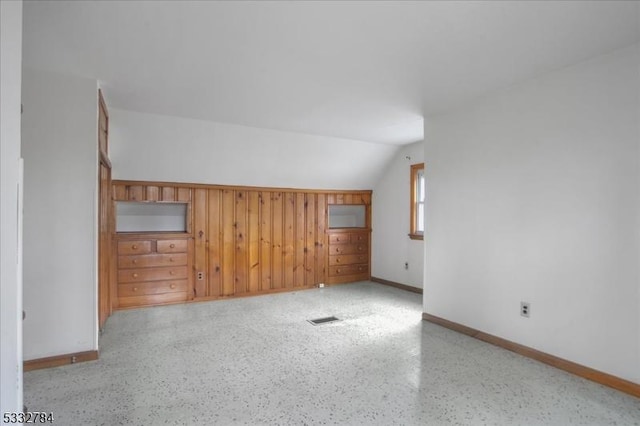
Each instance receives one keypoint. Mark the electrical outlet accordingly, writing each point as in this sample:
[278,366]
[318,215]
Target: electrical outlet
[406,265]
[200,275]
[321,285]
[525,309]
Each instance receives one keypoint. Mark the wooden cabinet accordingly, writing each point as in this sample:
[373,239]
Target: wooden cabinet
[239,241]
[349,254]
[153,270]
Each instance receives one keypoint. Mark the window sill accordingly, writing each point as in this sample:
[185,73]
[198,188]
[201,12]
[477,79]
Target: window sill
[416,237]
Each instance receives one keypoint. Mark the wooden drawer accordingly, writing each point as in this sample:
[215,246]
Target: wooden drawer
[347,270]
[172,246]
[348,259]
[359,238]
[154,287]
[134,247]
[152,299]
[152,274]
[149,260]
[348,249]
[343,238]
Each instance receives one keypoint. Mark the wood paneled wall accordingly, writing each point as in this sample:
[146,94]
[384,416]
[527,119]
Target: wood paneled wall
[258,241]
[145,192]
[251,240]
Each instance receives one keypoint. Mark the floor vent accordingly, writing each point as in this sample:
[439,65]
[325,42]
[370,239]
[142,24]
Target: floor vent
[321,321]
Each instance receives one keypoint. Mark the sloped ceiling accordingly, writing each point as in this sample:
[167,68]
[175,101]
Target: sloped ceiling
[368,71]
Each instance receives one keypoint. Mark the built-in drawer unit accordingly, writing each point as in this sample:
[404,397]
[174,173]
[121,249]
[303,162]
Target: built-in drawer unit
[349,256]
[153,271]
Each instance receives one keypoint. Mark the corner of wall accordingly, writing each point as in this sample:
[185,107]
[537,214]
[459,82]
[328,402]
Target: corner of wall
[391,222]
[59,144]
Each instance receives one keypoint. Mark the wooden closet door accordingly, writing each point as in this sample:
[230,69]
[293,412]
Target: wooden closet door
[104,246]
[105,217]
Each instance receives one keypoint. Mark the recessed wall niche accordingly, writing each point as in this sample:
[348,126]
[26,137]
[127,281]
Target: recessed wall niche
[134,216]
[347,216]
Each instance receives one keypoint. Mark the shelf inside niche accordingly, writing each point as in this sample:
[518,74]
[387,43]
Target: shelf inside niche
[132,216]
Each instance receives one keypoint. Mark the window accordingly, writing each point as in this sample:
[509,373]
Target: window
[417,202]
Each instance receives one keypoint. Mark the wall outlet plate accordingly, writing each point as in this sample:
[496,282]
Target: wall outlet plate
[525,309]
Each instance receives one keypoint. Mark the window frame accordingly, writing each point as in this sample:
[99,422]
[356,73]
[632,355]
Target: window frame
[414,234]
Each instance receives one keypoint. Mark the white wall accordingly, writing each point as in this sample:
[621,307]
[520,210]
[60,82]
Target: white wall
[391,246]
[59,147]
[161,148]
[10,285]
[533,195]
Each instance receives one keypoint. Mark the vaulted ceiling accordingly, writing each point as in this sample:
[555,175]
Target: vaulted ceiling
[360,70]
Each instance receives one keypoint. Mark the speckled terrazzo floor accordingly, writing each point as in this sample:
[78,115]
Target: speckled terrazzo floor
[258,361]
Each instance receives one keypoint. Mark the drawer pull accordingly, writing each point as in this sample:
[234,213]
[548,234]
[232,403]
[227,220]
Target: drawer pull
[134,261]
[134,247]
[172,272]
[135,289]
[172,286]
[171,259]
[135,275]
[172,245]
[337,271]
[338,260]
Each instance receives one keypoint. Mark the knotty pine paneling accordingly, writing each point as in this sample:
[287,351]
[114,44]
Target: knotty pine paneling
[321,247]
[266,226]
[143,192]
[253,239]
[310,246]
[299,257]
[135,193]
[289,242]
[200,201]
[119,192]
[152,193]
[168,193]
[242,253]
[214,243]
[249,241]
[228,242]
[277,218]
[184,195]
